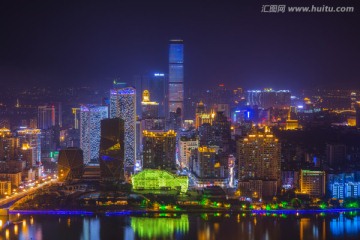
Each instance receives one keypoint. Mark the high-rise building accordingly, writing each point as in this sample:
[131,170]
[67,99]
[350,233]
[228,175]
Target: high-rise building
[90,118]
[158,89]
[222,131]
[70,164]
[259,157]
[312,183]
[201,116]
[76,113]
[112,149]
[149,109]
[123,105]
[27,154]
[7,145]
[186,146]
[159,149]
[176,76]
[46,117]
[32,137]
[209,167]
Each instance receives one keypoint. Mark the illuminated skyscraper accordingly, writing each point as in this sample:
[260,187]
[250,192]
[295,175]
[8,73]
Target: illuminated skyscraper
[112,149]
[7,145]
[259,158]
[176,76]
[123,105]
[159,149]
[149,109]
[32,137]
[90,118]
[46,117]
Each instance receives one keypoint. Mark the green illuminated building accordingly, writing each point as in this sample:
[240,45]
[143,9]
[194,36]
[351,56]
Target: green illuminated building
[154,179]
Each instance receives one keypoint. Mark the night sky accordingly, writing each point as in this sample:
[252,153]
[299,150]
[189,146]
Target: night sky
[77,42]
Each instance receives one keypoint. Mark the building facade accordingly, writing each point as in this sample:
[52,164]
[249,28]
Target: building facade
[159,149]
[259,159]
[154,179]
[90,119]
[176,76]
[186,146]
[123,105]
[46,117]
[112,149]
[312,183]
[70,164]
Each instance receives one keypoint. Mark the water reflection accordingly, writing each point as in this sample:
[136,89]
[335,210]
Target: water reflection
[183,226]
[160,226]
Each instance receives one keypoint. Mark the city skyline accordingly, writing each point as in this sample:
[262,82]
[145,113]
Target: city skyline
[230,43]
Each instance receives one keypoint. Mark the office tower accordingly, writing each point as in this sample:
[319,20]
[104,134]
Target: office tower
[149,109]
[158,89]
[32,137]
[70,164]
[159,149]
[176,76]
[312,183]
[268,98]
[186,146]
[90,118]
[123,105]
[357,108]
[112,149]
[46,117]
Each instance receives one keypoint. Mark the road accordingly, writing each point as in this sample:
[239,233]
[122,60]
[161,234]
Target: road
[8,201]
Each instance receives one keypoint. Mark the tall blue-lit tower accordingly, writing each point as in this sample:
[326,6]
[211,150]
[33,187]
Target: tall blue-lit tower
[176,76]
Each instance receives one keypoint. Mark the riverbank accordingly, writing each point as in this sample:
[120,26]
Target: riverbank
[148,211]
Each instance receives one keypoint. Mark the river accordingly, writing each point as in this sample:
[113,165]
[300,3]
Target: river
[183,226]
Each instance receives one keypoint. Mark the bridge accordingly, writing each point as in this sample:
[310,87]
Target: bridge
[7,202]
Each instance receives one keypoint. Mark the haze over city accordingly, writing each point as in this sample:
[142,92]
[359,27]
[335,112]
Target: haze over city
[92,42]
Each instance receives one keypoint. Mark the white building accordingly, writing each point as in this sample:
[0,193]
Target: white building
[123,105]
[90,120]
[186,145]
